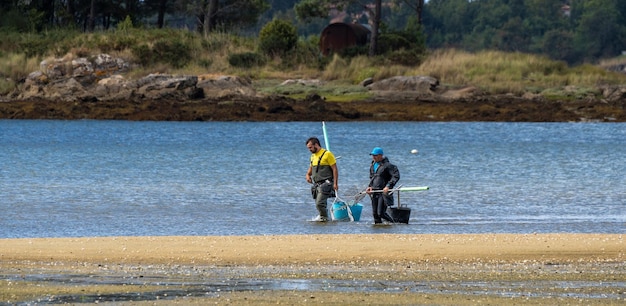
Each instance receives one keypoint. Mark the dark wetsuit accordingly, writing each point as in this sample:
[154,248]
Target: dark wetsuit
[382,174]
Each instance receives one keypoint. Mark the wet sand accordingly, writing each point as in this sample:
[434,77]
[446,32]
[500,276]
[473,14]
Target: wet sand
[336,269]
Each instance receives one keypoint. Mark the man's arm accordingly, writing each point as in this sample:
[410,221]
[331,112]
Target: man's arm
[308,175]
[395,176]
[335,176]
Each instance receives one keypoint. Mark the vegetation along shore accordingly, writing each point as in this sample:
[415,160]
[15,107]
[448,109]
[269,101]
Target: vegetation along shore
[569,69]
[117,93]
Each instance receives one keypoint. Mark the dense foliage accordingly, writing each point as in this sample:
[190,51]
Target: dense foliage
[574,31]
[277,37]
[90,15]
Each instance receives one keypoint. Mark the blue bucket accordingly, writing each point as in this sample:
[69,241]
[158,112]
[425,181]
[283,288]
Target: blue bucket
[340,211]
[356,211]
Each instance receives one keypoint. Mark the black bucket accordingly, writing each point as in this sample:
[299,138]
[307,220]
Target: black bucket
[401,214]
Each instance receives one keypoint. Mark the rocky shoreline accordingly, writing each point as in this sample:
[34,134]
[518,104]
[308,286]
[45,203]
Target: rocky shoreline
[389,107]
[72,89]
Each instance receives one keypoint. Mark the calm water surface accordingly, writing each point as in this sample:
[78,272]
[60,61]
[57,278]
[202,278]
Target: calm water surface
[109,178]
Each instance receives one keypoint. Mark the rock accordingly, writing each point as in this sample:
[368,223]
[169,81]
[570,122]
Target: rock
[422,84]
[81,67]
[79,79]
[82,71]
[164,86]
[106,65]
[367,82]
[222,86]
[70,90]
[113,88]
[613,93]
[314,97]
[303,82]
[532,96]
[54,69]
[462,93]
[617,68]
[36,78]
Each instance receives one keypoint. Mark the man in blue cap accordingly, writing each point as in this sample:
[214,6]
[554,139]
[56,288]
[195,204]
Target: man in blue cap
[383,177]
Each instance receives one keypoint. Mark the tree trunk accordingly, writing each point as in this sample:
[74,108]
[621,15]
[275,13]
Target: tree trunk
[209,17]
[375,26]
[71,12]
[161,13]
[419,10]
[92,17]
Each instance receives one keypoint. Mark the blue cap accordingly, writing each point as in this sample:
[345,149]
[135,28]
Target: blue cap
[377,151]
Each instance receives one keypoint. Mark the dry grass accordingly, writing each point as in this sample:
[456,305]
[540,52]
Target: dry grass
[501,72]
[13,68]
[17,66]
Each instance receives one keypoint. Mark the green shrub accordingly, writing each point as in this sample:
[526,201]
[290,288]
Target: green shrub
[117,43]
[405,57]
[171,52]
[354,51]
[143,54]
[392,41]
[205,63]
[277,37]
[125,25]
[6,86]
[246,60]
[34,47]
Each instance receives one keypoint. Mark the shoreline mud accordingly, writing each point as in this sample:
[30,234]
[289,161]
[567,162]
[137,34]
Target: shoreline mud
[392,107]
[438,269]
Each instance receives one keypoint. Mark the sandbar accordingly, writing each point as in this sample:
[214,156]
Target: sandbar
[404,269]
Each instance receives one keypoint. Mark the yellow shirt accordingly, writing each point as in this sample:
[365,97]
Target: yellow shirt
[322,171]
[327,160]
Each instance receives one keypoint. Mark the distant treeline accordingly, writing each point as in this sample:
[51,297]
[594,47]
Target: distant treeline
[574,31]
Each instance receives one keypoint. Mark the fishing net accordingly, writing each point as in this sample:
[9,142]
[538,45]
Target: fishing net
[352,195]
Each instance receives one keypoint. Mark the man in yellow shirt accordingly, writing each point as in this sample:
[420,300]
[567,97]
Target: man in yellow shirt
[323,174]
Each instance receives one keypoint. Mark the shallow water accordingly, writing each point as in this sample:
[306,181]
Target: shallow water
[110,178]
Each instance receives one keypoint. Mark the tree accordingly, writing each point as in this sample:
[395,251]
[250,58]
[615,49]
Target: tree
[375,24]
[448,22]
[415,5]
[277,38]
[163,6]
[599,32]
[92,16]
[225,14]
[559,45]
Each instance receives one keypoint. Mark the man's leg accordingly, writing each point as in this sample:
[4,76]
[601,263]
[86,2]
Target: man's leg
[321,203]
[376,199]
[383,213]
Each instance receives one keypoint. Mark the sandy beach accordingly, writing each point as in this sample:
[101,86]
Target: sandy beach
[436,269]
